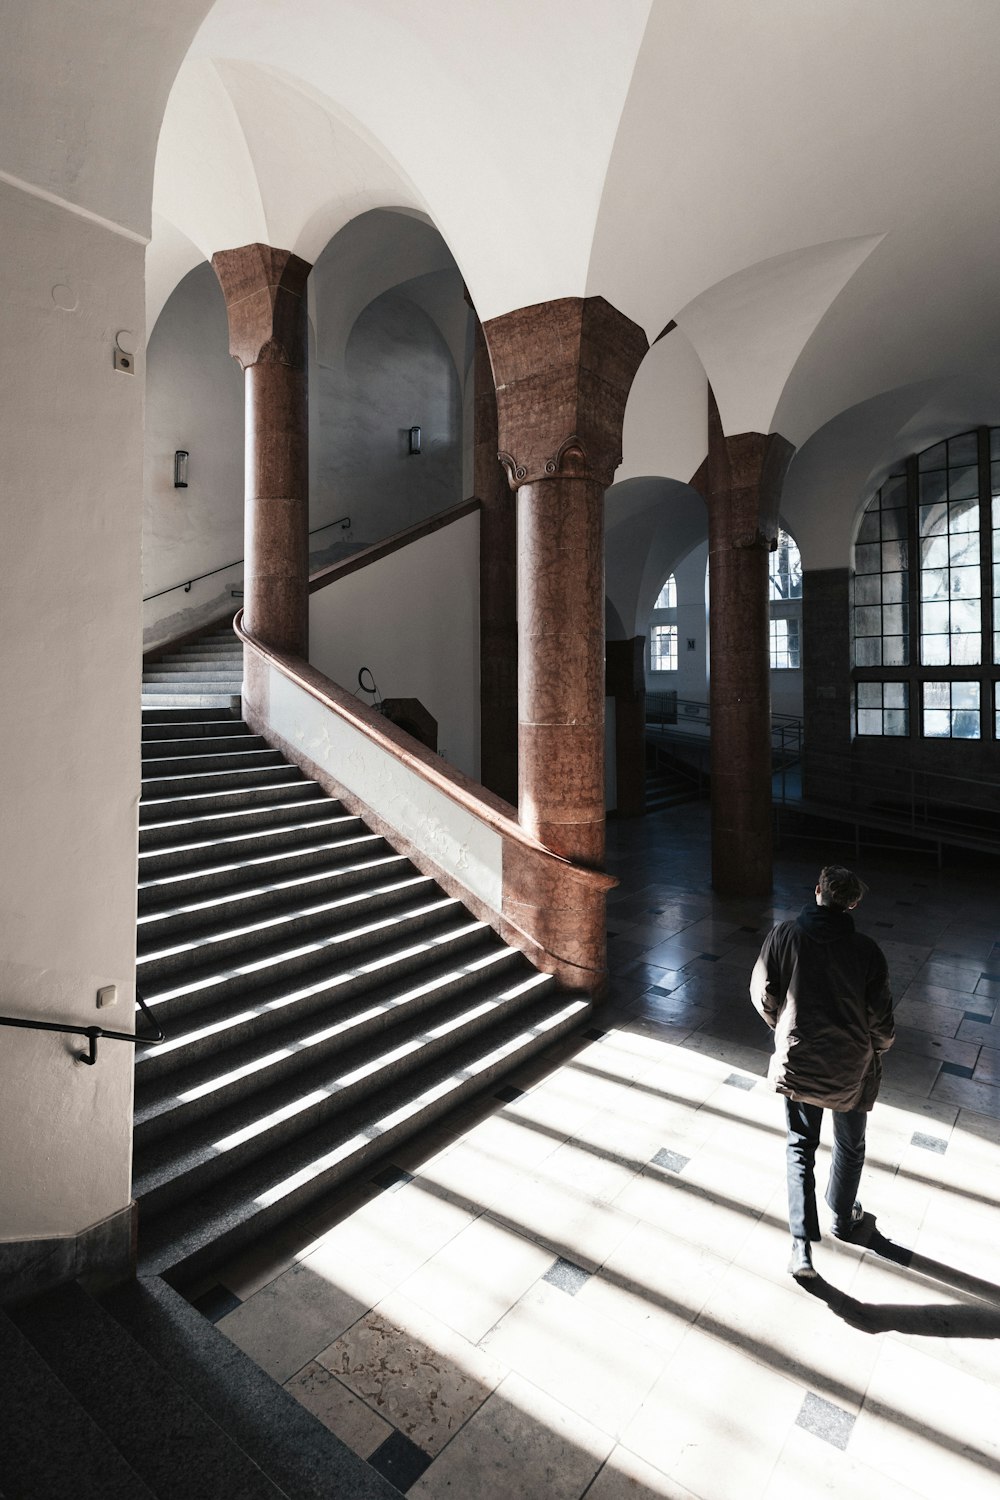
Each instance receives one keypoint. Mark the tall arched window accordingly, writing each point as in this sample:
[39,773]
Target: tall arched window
[926,605]
[785,594]
[663,630]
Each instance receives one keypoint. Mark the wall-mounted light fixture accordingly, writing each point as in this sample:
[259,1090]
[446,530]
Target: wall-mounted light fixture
[181,469]
[414,440]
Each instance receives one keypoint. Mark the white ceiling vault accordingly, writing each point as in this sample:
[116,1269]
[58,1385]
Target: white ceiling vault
[808,188]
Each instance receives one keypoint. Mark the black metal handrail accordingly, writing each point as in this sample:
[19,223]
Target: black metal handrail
[342,521]
[93,1033]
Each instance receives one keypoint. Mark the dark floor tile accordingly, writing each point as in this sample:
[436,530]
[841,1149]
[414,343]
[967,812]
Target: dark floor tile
[825,1420]
[977,1015]
[400,1461]
[660,989]
[508,1094]
[883,924]
[567,1276]
[930,1142]
[391,1179]
[214,1303]
[738,1081]
[594,1034]
[957,1070]
[671,1160]
[713,958]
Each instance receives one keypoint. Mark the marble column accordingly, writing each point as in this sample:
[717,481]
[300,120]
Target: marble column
[497,590]
[745,474]
[265,292]
[562,372]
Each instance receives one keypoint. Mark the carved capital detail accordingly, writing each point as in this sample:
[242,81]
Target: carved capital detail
[265,292]
[562,372]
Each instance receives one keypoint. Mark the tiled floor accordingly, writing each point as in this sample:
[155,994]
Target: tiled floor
[581,1287]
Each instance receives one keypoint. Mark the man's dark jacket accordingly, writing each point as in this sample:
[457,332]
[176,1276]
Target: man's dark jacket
[824,989]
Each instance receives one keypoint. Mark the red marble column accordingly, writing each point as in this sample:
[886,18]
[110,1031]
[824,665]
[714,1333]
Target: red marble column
[744,478]
[497,591]
[265,292]
[562,372]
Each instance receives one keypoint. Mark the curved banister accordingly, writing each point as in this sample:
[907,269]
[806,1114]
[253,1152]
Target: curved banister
[435,771]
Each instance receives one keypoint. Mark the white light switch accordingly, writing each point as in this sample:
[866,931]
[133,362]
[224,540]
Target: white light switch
[107,996]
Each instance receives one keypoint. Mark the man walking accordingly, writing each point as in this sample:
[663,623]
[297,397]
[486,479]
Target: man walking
[824,990]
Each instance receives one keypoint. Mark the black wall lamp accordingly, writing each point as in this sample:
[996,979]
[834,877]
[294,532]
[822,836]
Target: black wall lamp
[181,469]
[414,440]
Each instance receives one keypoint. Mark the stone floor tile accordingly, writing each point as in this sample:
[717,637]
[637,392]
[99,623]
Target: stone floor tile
[987,1068]
[924,1015]
[715,1421]
[950,974]
[792,1332]
[591,1171]
[594,1366]
[654,1284]
[910,1073]
[925,1044]
[284,1325]
[929,1426]
[413,1371]
[625,1476]
[513,1139]
[477,1277]
[519,1443]
[809,1469]
[681,1206]
[981,1097]
[339,1409]
[392,1235]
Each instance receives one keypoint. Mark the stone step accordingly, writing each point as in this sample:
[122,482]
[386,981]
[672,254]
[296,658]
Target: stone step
[206,984]
[286,1441]
[190,721]
[258,901]
[327,987]
[214,874]
[194,848]
[209,761]
[170,820]
[199,1152]
[364,1017]
[51,1445]
[195,1235]
[162,1434]
[186,784]
[161,747]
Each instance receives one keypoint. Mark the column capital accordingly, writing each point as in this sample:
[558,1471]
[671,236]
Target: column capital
[264,290]
[744,474]
[562,372]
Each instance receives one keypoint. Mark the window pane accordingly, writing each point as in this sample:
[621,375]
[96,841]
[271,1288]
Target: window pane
[870,529]
[937,695]
[893,492]
[937,723]
[897,721]
[667,597]
[868,588]
[868,559]
[965,695]
[965,724]
[894,695]
[895,651]
[934,584]
[963,450]
[935,650]
[894,619]
[893,557]
[934,551]
[893,591]
[965,583]
[933,458]
[963,549]
[966,616]
[870,721]
[869,695]
[963,483]
[963,516]
[868,621]
[894,524]
[966,650]
[868,651]
[933,520]
[935,618]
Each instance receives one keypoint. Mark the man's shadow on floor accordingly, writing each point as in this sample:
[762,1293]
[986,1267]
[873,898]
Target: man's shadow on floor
[966,1320]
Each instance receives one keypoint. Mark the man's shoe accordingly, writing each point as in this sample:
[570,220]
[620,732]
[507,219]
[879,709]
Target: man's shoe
[801,1264]
[845,1229]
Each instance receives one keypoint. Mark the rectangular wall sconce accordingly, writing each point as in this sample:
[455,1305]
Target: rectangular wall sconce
[414,440]
[181,469]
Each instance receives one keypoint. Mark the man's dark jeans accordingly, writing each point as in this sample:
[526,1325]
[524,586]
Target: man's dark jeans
[804,1121]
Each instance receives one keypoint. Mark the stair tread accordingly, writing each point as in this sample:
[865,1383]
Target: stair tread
[50,1444]
[205,1226]
[255,865]
[248,840]
[322,1087]
[291,1445]
[489,964]
[166,1438]
[327,981]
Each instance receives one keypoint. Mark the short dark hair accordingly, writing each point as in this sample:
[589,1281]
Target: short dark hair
[839,887]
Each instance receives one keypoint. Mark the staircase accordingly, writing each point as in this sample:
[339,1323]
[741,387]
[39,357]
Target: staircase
[206,672]
[136,1395]
[323,999]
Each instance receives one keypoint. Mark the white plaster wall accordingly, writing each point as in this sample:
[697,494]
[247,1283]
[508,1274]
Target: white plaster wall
[397,372]
[457,840]
[413,618]
[69,677]
[194,400]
